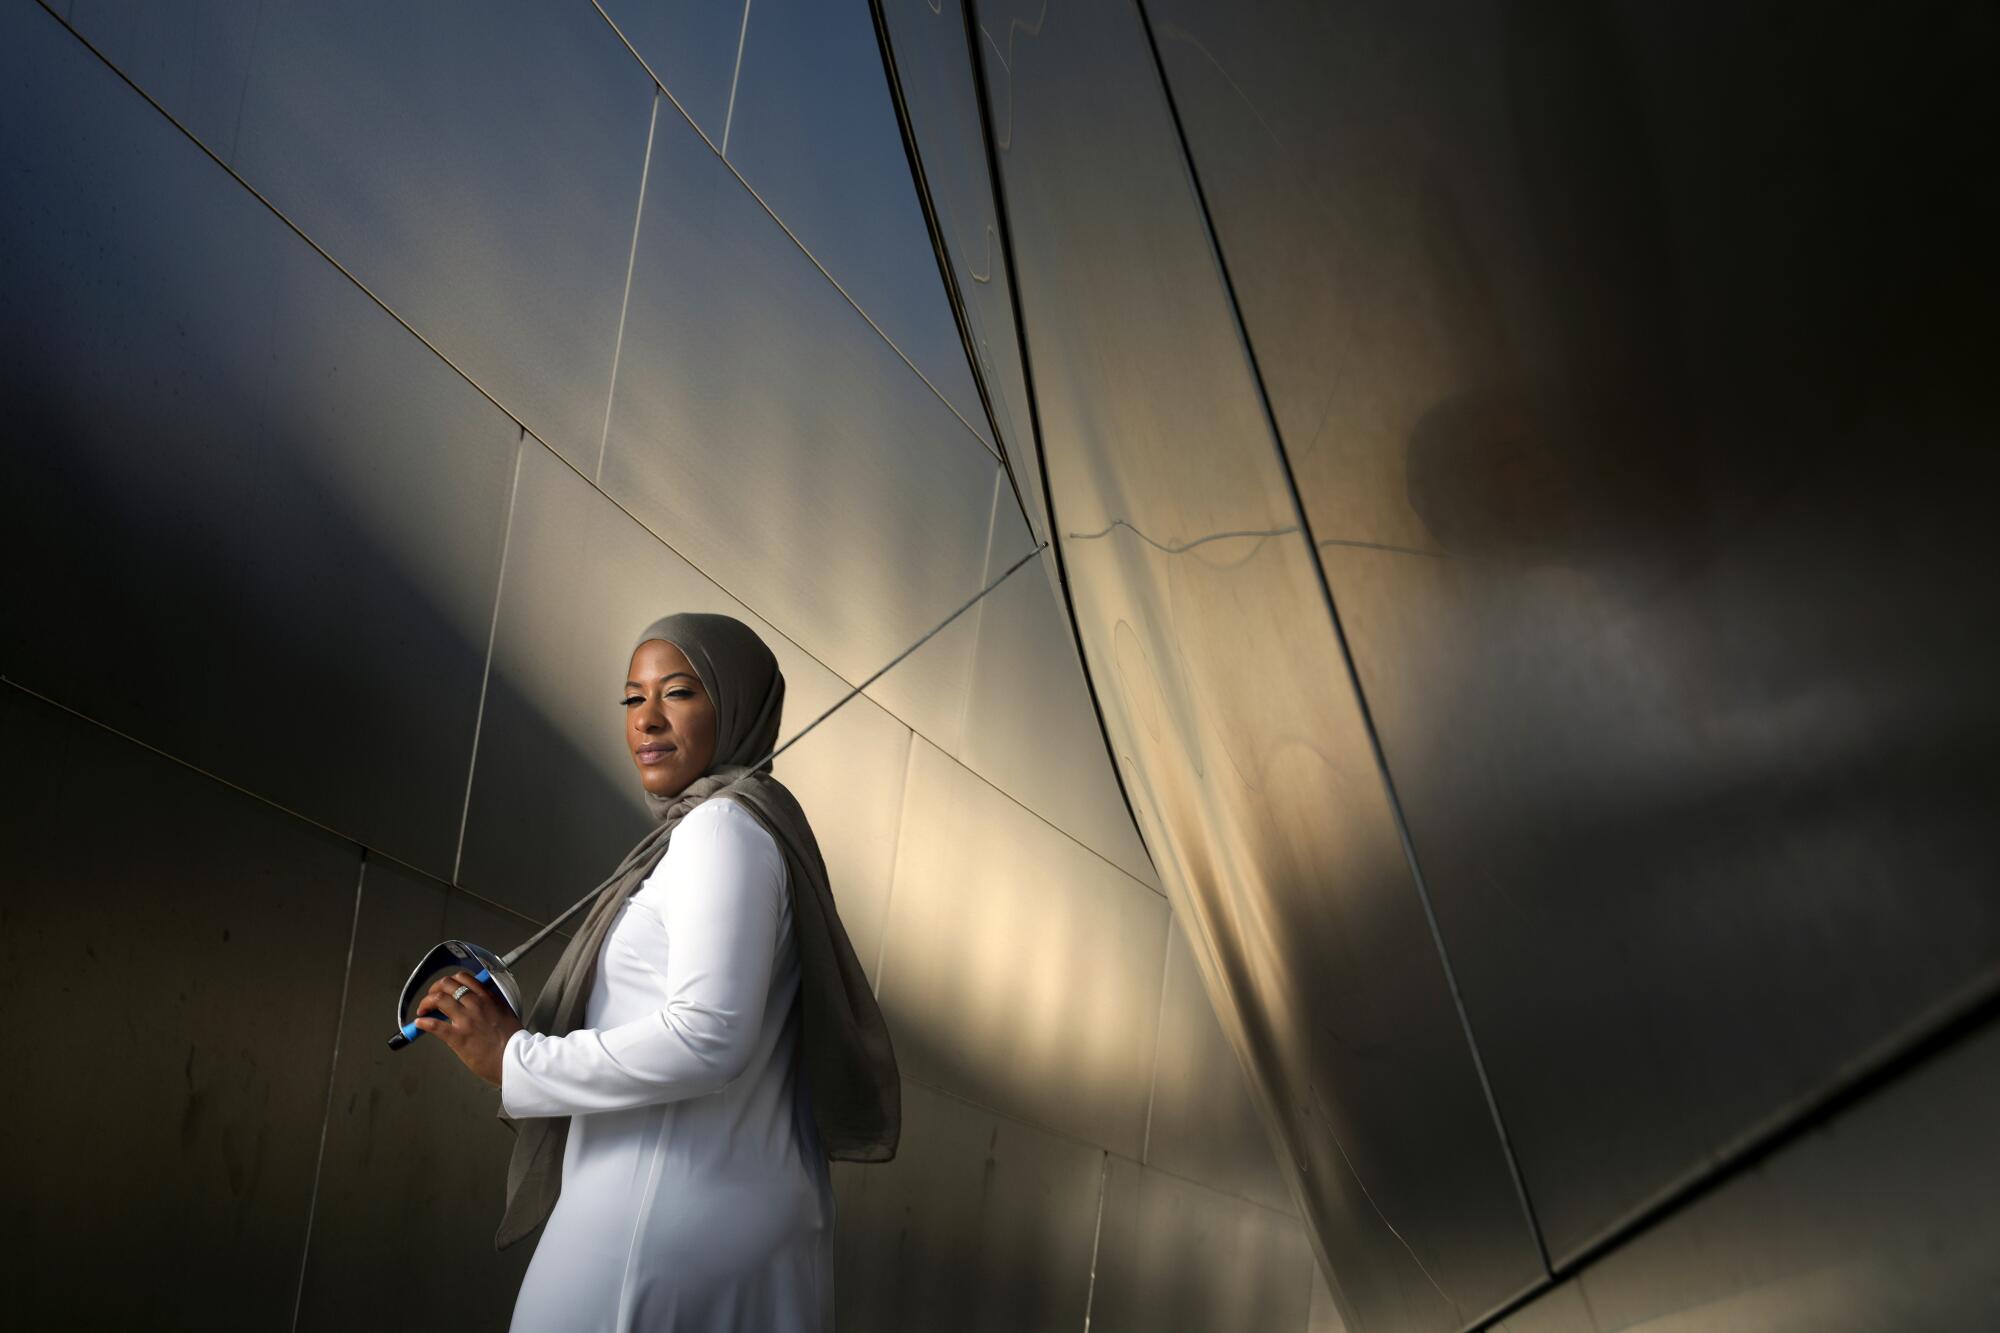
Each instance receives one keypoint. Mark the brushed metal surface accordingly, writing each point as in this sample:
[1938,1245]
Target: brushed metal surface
[1173,1255]
[1025,667]
[932,55]
[690,46]
[1563,1310]
[1203,1125]
[415,1169]
[1020,970]
[762,428]
[178,947]
[1205,625]
[477,166]
[815,134]
[191,56]
[1324,1315]
[1881,1218]
[252,521]
[980,1223]
[555,799]
[1627,362]
[1268,827]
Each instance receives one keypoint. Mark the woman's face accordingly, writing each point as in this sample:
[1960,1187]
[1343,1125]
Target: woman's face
[669,719]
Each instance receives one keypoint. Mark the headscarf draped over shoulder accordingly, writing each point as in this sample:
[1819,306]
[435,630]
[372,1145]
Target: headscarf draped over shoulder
[845,1053]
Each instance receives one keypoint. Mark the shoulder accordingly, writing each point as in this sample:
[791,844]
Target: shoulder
[720,827]
[722,814]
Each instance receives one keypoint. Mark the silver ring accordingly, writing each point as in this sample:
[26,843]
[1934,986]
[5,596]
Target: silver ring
[459,994]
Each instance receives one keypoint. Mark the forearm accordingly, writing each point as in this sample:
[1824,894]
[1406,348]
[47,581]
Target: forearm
[704,934]
[664,1057]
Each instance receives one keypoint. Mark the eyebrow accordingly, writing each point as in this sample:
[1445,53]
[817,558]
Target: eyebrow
[635,685]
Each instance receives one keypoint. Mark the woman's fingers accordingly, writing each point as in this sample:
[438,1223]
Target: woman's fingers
[475,1029]
[457,1011]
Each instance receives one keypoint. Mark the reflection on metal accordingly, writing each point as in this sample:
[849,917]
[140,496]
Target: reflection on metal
[1496,336]
[1885,1221]
[1090,287]
[182,346]
[1176,1258]
[1174,548]
[1019,970]
[975,196]
[1724,699]
[1397,812]
[1617,372]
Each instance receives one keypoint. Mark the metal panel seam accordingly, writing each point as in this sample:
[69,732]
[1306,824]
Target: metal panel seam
[1097,1233]
[332,1069]
[1159,1022]
[1933,1037]
[735,78]
[792,235]
[895,866]
[625,302]
[1006,233]
[1340,635]
[942,252]
[486,673]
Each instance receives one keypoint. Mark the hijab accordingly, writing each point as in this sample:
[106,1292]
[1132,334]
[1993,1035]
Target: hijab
[844,1052]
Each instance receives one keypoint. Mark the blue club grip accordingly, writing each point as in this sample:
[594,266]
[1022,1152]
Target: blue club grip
[411,1031]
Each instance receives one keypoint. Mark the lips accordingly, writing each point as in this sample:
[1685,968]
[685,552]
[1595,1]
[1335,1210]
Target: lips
[654,754]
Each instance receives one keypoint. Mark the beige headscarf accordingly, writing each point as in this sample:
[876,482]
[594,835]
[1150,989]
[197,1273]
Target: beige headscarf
[845,1054]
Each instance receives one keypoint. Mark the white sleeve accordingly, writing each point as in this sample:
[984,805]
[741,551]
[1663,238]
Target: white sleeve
[724,882]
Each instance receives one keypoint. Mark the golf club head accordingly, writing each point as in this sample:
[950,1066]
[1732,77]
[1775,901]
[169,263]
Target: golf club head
[450,956]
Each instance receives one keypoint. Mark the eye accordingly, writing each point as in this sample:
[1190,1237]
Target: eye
[680,694]
[629,701]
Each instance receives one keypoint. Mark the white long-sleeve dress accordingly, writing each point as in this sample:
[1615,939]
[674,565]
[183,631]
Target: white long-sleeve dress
[695,1196]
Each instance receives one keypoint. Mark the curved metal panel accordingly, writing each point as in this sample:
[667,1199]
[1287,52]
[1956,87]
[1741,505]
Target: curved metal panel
[1026,666]
[1630,361]
[1883,1218]
[1225,689]
[1202,1123]
[931,51]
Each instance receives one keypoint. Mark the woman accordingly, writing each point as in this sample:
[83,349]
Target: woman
[707,1039]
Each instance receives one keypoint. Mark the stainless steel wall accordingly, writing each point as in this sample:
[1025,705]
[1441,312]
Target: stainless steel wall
[1518,474]
[375,371]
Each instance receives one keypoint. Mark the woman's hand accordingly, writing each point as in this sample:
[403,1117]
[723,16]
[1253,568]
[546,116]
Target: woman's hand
[479,1028]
